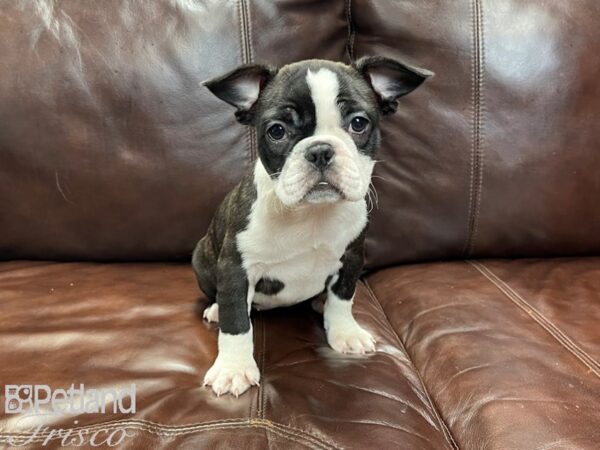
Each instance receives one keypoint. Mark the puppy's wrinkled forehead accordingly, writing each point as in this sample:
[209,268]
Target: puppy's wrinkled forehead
[374,83]
[323,90]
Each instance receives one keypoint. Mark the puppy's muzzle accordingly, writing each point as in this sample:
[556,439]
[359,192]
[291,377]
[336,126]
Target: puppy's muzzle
[320,155]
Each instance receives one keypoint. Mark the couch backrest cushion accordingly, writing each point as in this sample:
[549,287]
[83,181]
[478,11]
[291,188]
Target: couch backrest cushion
[109,148]
[499,153]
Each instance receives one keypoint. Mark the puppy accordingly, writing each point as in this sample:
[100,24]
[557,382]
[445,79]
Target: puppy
[294,226]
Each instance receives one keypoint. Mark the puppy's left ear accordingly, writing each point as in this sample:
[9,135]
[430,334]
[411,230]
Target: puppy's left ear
[390,79]
[242,88]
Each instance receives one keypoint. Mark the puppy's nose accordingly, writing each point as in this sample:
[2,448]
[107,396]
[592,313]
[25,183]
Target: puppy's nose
[319,154]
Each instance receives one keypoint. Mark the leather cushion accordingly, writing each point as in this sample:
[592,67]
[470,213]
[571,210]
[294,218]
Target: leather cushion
[108,325]
[497,155]
[508,350]
[109,148]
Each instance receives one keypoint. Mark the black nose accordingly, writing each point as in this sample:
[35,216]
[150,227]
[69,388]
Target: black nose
[319,154]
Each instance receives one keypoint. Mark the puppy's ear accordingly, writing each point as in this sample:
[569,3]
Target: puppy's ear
[390,79]
[242,88]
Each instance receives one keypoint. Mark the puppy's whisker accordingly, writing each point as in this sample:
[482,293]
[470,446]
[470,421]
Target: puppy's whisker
[373,191]
[369,202]
[379,177]
[371,205]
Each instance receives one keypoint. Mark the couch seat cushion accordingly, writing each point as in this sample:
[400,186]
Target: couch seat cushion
[509,350]
[110,325]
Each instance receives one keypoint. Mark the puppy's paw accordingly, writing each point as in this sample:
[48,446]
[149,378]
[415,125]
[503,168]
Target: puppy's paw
[350,338]
[232,377]
[211,313]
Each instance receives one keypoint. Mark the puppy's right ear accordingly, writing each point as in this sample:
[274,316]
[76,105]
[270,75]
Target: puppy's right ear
[242,88]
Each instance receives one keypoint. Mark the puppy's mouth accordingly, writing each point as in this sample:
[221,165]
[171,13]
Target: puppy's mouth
[323,192]
[324,186]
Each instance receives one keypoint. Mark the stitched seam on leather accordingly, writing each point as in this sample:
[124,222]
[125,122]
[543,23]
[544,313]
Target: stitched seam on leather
[291,436]
[261,393]
[441,423]
[169,430]
[298,440]
[256,337]
[477,134]
[133,422]
[248,31]
[351,31]
[250,52]
[472,161]
[538,317]
[246,57]
[481,130]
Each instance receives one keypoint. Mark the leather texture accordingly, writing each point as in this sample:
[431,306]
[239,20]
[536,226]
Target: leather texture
[118,324]
[497,155]
[111,151]
[109,147]
[471,355]
[509,350]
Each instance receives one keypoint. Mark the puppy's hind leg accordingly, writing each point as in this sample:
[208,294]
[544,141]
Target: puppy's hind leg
[317,305]
[211,313]
[204,262]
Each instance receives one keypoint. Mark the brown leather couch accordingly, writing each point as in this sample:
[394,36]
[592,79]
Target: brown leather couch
[482,287]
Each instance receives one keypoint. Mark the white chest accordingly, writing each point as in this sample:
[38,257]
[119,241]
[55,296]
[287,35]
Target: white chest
[300,248]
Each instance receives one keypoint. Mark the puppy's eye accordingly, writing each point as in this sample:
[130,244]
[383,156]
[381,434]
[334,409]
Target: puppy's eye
[276,132]
[358,125]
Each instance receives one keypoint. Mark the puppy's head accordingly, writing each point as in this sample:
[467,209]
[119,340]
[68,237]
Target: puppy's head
[317,121]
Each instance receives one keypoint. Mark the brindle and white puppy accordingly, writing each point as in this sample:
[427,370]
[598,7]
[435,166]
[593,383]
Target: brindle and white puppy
[294,226]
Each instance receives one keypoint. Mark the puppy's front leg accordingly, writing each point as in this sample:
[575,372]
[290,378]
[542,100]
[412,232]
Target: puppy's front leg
[235,369]
[344,334]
